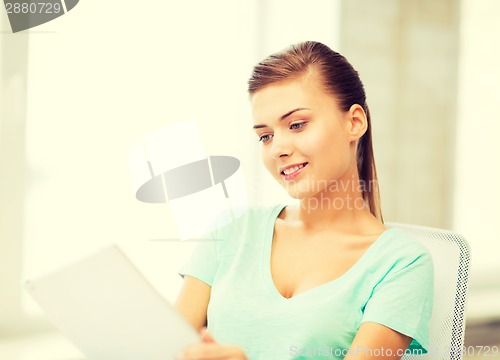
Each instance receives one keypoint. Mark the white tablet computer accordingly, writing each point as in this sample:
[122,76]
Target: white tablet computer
[110,311]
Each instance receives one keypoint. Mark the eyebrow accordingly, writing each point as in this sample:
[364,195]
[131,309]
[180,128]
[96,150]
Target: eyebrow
[282,117]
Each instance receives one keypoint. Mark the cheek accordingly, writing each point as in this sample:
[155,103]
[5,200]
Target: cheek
[331,150]
[320,145]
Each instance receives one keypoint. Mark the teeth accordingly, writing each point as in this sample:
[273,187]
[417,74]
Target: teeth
[292,169]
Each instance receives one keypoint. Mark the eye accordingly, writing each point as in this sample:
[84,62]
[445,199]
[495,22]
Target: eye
[265,138]
[297,126]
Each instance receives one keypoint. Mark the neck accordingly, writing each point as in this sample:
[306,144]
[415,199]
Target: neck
[341,203]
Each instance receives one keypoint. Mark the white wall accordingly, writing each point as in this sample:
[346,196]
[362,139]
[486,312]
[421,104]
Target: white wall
[477,166]
[476,195]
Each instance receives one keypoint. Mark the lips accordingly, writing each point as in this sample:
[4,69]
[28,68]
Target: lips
[289,172]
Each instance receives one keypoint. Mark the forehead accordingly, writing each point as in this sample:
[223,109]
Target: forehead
[276,99]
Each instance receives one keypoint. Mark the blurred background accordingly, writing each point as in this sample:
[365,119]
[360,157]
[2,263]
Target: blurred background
[76,93]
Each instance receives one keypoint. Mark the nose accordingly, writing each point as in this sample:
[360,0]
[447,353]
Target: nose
[280,147]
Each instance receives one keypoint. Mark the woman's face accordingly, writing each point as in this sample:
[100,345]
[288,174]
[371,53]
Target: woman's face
[308,143]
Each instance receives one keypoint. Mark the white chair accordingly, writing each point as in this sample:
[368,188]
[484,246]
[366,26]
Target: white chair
[451,258]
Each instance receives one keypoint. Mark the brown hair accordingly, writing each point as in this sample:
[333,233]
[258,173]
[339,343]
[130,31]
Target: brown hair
[339,79]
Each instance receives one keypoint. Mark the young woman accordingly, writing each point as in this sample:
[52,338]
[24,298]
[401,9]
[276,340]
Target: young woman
[324,279]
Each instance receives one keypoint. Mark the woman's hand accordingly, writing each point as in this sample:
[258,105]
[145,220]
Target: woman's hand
[210,349]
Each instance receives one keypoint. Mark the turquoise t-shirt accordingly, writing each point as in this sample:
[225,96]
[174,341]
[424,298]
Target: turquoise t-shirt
[391,284]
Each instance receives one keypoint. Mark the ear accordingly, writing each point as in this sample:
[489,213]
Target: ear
[357,122]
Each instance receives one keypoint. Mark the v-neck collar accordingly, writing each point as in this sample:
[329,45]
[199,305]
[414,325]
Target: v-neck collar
[266,262]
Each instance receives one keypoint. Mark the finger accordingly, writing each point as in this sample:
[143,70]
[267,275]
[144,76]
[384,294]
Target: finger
[211,351]
[200,352]
[206,336]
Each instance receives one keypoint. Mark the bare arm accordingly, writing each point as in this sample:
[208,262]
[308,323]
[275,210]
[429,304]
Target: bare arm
[375,341]
[192,301]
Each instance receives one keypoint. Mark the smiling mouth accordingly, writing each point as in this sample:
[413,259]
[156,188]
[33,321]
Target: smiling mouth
[292,170]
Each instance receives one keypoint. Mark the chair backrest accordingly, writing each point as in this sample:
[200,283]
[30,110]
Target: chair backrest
[451,258]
